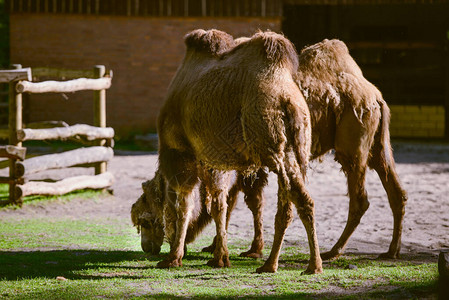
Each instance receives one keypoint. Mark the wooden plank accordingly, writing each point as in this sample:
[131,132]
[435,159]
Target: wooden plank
[88,132]
[15,75]
[9,180]
[64,160]
[65,186]
[63,86]
[13,152]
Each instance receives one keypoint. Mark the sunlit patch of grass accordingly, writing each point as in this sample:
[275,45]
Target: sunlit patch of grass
[38,199]
[101,258]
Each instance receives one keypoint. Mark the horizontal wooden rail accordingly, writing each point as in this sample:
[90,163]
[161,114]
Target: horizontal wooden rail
[89,133]
[65,186]
[63,86]
[10,180]
[15,75]
[13,152]
[66,159]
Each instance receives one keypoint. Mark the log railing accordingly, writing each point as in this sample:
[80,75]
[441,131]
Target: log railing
[100,136]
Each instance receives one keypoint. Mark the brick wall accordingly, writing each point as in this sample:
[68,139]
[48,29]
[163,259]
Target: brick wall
[417,121]
[143,52]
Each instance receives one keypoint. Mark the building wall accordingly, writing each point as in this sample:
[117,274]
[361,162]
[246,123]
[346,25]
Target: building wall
[143,52]
[413,121]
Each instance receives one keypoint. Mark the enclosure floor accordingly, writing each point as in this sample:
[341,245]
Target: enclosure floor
[423,169]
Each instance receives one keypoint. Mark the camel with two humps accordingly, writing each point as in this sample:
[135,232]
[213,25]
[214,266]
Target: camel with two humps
[237,111]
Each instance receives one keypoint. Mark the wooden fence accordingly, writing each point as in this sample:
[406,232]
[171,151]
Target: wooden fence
[98,137]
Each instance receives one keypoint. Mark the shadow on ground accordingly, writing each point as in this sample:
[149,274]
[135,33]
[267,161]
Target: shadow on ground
[17,265]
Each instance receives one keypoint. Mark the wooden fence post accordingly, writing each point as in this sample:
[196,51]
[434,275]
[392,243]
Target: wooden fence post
[100,113]
[15,124]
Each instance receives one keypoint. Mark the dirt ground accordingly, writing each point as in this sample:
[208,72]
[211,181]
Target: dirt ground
[423,169]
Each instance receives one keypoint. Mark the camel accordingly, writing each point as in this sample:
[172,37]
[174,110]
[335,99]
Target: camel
[350,116]
[150,212]
[236,109]
[329,98]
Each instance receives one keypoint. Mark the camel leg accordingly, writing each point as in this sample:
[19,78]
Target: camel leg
[298,195]
[184,210]
[305,207]
[181,176]
[358,203]
[218,187]
[397,197]
[283,219]
[255,201]
[232,201]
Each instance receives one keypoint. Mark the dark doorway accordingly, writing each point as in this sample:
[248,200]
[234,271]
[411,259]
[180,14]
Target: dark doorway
[400,48]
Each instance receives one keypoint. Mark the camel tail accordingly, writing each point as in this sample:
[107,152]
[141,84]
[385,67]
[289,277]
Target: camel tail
[299,134]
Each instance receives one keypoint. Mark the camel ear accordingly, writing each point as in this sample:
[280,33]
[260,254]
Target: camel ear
[146,185]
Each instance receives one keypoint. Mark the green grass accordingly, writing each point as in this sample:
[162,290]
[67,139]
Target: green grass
[101,258]
[38,199]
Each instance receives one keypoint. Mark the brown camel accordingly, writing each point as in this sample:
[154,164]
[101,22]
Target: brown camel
[327,97]
[150,212]
[349,115]
[237,110]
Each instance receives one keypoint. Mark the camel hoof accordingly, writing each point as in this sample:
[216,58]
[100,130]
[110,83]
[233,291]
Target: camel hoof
[209,249]
[169,263]
[311,271]
[251,254]
[329,255]
[267,269]
[220,263]
[389,255]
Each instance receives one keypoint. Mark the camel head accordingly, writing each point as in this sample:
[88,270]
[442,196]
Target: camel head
[147,215]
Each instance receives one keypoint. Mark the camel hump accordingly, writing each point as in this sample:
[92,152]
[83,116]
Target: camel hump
[326,46]
[328,58]
[211,41]
[278,48]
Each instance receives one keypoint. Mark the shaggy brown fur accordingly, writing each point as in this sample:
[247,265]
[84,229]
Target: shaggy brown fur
[150,212]
[349,115]
[239,111]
